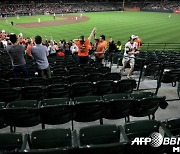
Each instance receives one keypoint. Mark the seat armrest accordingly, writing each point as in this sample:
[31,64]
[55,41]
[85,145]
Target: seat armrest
[166,131]
[25,142]
[122,131]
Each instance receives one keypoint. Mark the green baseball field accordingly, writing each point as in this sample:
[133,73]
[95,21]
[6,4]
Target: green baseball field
[150,27]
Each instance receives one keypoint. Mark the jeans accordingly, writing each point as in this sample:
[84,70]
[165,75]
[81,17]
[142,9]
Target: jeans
[20,71]
[45,73]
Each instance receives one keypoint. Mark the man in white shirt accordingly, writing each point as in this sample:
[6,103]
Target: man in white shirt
[131,48]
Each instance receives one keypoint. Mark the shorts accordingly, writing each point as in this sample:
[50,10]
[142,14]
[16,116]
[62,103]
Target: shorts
[126,60]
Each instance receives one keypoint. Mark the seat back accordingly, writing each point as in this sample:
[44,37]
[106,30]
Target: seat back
[171,76]
[23,113]
[152,69]
[117,106]
[3,122]
[10,142]
[18,82]
[4,83]
[81,89]
[89,70]
[104,70]
[55,111]
[112,76]
[142,95]
[173,125]
[57,91]
[126,85]
[59,72]
[50,138]
[9,94]
[75,78]
[145,107]
[75,71]
[99,134]
[87,108]
[105,87]
[57,80]
[37,81]
[94,77]
[141,128]
[33,93]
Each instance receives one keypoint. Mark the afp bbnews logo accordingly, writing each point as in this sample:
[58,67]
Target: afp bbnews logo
[156,140]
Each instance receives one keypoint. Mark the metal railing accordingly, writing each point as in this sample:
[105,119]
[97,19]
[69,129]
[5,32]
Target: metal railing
[160,46]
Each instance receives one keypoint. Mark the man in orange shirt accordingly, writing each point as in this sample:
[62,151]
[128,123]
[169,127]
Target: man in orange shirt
[101,48]
[139,42]
[83,48]
[28,49]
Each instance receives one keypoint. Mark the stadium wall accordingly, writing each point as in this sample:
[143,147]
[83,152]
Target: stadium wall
[177,11]
[132,9]
[158,10]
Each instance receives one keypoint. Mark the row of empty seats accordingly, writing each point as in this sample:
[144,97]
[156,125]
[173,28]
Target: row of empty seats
[39,81]
[65,90]
[28,113]
[96,139]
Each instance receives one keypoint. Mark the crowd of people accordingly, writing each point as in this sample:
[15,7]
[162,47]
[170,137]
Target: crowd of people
[34,7]
[31,7]
[166,5]
[38,50]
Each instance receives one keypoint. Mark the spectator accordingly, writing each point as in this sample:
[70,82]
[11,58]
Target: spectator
[118,46]
[83,48]
[16,53]
[28,49]
[74,49]
[1,44]
[139,42]
[130,50]
[101,48]
[52,48]
[40,53]
[111,49]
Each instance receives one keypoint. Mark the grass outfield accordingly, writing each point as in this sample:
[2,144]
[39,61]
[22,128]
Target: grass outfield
[150,27]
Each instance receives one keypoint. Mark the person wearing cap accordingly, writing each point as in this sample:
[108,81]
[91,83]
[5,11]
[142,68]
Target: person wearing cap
[131,49]
[83,48]
[16,53]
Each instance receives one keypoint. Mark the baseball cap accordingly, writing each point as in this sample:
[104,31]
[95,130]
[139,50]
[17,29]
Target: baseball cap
[133,37]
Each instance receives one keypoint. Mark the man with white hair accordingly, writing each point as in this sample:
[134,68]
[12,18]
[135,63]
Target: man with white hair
[131,49]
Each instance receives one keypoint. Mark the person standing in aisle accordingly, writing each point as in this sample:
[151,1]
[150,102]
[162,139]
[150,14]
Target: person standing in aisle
[131,49]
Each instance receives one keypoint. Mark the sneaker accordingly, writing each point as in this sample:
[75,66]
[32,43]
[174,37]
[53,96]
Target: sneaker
[128,77]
